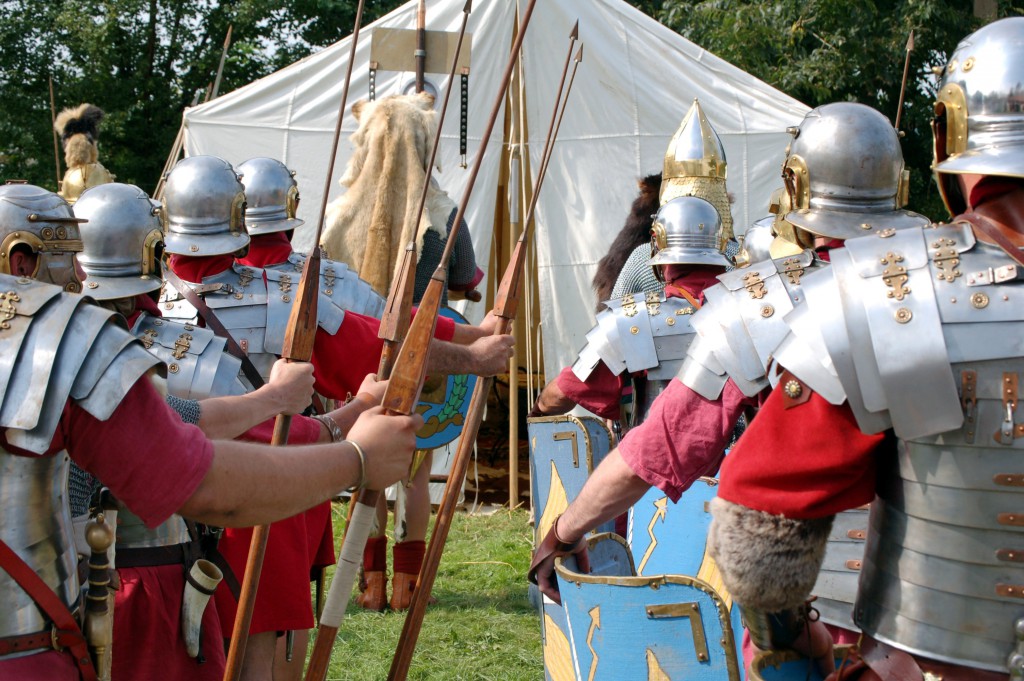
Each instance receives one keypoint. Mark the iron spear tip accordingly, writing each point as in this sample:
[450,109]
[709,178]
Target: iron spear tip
[910,41]
[575,35]
[469,7]
[579,54]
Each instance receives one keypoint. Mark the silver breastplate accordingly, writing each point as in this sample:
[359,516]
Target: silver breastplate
[639,333]
[36,523]
[934,324]
[253,310]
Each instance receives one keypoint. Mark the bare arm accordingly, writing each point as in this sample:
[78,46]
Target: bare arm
[485,356]
[288,391]
[551,401]
[249,484]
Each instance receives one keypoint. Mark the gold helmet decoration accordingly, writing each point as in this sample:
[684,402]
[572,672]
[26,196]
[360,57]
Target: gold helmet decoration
[695,165]
[79,130]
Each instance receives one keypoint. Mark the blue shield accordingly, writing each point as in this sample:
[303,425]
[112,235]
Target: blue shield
[564,450]
[671,538]
[656,627]
[444,403]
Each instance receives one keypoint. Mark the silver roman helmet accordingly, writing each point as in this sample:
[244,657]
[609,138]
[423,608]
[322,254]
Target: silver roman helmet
[979,113]
[271,195]
[204,205]
[688,230]
[40,221]
[122,241]
[845,176]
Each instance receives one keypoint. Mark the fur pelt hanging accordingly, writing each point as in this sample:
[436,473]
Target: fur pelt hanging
[371,223]
[79,130]
[636,231]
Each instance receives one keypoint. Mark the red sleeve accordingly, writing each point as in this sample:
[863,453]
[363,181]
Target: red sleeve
[683,437]
[600,393]
[445,329]
[144,453]
[303,431]
[808,461]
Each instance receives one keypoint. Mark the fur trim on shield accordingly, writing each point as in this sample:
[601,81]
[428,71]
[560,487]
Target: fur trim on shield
[636,231]
[768,562]
[370,224]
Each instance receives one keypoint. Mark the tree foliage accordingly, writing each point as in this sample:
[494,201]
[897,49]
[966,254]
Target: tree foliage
[142,62]
[822,51]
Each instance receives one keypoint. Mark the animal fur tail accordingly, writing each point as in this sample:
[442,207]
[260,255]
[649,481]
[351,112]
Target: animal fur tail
[636,231]
[768,562]
[79,130]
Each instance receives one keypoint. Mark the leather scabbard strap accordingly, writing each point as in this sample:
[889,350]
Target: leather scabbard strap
[154,556]
[985,226]
[214,324]
[66,633]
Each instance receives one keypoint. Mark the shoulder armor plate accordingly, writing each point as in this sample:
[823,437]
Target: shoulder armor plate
[57,346]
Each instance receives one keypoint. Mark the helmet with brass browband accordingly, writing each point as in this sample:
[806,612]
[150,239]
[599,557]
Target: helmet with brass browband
[40,222]
[122,241]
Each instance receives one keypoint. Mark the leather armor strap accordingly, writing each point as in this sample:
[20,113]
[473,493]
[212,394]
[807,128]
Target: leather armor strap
[553,545]
[214,324]
[66,634]
[155,556]
[985,226]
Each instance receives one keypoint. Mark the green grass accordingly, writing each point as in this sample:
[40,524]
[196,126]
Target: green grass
[483,627]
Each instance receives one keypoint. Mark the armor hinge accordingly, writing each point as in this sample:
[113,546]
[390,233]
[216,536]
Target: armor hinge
[1011,590]
[653,303]
[969,402]
[181,346]
[946,259]
[629,305]
[895,276]
[1010,555]
[245,277]
[1008,431]
[148,336]
[755,285]
[792,268]
[8,308]
[329,281]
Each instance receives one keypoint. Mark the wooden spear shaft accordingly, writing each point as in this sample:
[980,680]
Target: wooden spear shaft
[53,127]
[903,85]
[298,346]
[506,308]
[393,329]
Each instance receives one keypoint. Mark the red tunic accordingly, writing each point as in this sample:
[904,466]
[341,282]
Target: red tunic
[115,451]
[683,437]
[809,461]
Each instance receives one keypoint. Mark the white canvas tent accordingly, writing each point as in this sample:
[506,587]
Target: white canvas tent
[636,82]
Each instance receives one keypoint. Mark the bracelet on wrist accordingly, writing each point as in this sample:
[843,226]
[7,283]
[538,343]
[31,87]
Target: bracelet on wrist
[362,464]
[331,425]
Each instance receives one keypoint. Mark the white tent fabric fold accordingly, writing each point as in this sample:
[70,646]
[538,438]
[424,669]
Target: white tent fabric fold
[636,82]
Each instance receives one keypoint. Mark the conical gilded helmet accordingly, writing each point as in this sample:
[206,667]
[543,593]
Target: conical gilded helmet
[695,165]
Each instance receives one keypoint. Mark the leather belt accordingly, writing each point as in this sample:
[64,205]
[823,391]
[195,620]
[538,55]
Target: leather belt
[155,556]
[50,639]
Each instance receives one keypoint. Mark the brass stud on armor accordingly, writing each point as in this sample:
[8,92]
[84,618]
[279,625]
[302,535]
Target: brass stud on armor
[968,64]
[194,248]
[286,299]
[173,368]
[793,389]
[634,330]
[767,311]
[903,315]
[92,284]
[865,226]
[979,300]
[886,233]
[671,321]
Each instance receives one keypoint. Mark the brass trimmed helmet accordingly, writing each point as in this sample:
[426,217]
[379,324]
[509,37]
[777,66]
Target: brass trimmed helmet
[204,205]
[271,196]
[688,230]
[42,221]
[122,241]
[757,241]
[844,176]
[979,114]
[695,165]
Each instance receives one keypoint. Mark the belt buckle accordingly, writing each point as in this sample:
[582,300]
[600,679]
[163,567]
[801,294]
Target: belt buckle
[54,638]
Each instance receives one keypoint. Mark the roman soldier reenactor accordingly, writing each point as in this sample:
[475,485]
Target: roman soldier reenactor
[910,405]
[79,131]
[76,384]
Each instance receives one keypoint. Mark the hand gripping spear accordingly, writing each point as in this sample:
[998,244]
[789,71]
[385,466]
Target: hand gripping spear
[298,347]
[393,327]
[505,308]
